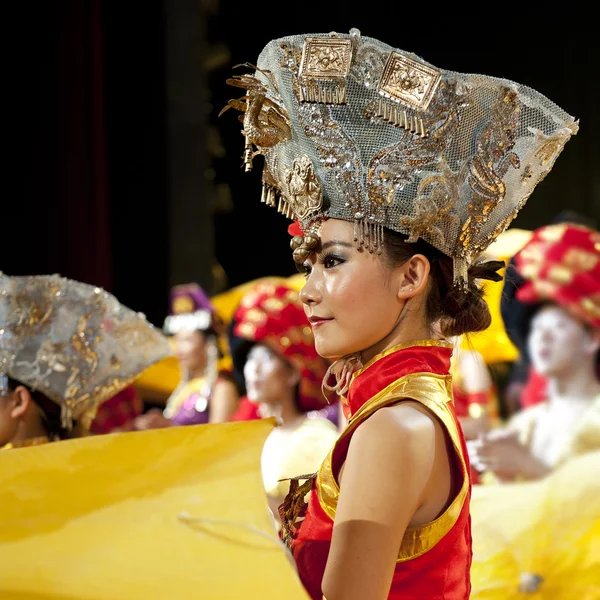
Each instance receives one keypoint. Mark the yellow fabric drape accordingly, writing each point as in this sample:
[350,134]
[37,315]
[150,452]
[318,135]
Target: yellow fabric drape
[548,528]
[171,513]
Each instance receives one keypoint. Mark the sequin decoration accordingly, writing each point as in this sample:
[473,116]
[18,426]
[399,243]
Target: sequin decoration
[72,341]
[430,153]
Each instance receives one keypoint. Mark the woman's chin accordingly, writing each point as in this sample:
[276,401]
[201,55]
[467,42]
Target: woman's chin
[326,349]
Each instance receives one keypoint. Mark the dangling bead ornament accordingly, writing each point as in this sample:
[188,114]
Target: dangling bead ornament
[303,246]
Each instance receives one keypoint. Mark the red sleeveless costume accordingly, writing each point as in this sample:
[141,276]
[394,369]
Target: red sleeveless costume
[434,559]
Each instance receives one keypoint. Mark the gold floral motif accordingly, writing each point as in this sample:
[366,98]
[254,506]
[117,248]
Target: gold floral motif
[544,289]
[323,68]
[560,275]
[487,169]
[303,190]
[247,330]
[580,260]
[591,306]
[433,208]
[553,233]
[408,81]
[256,316]
[273,305]
[326,57]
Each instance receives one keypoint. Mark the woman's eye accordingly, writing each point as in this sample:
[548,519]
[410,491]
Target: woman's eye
[331,261]
[305,269]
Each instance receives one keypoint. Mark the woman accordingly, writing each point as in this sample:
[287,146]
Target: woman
[65,347]
[273,347]
[560,269]
[398,174]
[204,395]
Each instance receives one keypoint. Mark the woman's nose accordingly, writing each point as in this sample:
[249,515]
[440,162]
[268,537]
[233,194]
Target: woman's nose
[310,293]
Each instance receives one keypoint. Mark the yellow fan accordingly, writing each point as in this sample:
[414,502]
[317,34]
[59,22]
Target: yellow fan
[171,513]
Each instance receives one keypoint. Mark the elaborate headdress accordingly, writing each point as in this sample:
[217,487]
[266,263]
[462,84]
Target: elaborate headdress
[73,342]
[351,128]
[561,264]
[190,308]
[271,312]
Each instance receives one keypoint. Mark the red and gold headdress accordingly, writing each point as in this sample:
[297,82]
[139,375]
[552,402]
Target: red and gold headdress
[561,264]
[272,313]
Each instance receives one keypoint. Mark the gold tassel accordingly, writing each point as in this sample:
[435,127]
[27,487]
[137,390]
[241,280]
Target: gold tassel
[392,114]
[332,91]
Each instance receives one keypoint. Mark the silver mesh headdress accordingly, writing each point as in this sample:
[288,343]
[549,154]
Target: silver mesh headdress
[353,129]
[73,342]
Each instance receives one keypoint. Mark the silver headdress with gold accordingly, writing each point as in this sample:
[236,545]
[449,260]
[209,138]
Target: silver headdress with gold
[351,128]
[73,342]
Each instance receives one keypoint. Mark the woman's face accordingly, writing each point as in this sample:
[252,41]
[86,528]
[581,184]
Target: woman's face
[268,375]
[350,297]
[558,342]
[190,349]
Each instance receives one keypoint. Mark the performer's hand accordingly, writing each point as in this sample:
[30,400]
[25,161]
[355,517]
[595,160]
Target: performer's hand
[503,454]
[153,419]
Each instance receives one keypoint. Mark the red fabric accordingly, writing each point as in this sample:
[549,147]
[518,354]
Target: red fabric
[246,411]
[463,400]
[443,572]
[118,411]
[561,264]
[534,390]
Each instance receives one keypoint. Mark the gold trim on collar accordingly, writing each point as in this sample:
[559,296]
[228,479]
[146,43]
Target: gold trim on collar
[434,392]
[421,343]
[36,441]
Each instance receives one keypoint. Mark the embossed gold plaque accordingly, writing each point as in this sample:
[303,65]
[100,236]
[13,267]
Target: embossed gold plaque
[325,58]
[408,81]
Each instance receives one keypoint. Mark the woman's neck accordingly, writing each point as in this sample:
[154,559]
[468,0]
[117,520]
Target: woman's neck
[578,384]
[27,431]
[286,412]
[410,327]
[197,372]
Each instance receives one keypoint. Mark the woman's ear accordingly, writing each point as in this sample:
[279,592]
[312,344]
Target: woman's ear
[294,377]
[21,400]
[414,275]
[594,344]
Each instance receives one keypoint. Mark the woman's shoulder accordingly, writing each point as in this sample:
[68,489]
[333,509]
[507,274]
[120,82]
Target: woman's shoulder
[403,424]
[526,416]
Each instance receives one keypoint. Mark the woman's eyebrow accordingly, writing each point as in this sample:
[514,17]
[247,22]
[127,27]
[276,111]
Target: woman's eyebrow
[331,243]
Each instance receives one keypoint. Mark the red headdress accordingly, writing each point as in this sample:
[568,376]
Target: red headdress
[272,313]
[561,264]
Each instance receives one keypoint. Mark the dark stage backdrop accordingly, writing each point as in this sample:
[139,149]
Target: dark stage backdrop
[95,148]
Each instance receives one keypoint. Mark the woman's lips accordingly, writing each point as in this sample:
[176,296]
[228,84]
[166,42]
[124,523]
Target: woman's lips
[317,321]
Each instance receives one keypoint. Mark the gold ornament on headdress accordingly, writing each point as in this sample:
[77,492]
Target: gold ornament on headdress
[73,342]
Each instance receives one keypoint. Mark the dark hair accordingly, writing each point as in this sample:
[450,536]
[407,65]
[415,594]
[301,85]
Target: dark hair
[51,417]
[458,311]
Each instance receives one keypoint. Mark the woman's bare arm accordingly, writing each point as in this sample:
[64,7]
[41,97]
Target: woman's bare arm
[387,469]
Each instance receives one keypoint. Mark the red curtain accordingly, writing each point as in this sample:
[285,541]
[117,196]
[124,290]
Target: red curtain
[83,207]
